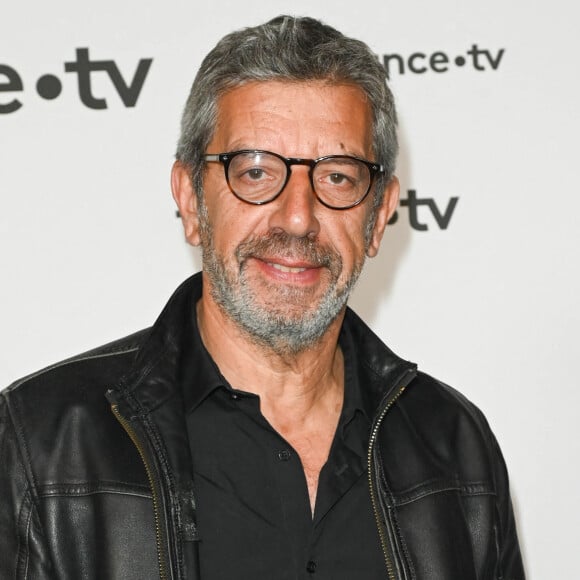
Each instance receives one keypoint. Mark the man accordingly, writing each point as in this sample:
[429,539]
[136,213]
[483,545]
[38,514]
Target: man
[259,430]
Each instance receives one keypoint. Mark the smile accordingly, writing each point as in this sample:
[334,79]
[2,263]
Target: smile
[288,269]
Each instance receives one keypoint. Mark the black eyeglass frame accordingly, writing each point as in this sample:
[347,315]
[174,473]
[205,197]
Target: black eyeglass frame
[226,158]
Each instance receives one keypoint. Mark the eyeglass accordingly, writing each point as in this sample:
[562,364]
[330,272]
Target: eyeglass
[259,177]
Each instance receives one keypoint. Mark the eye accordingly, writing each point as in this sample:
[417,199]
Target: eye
[337,178]
[339,173]
[253,169]
[255,173]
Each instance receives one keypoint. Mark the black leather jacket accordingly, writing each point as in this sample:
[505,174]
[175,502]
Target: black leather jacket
[96,475]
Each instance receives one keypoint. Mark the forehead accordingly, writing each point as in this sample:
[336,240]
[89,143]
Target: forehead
[295,118]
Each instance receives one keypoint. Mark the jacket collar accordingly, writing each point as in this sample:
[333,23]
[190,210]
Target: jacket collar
[157,373]
[380,370]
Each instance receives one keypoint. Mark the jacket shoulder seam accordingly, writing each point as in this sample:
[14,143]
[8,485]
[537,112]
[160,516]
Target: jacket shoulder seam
[70,361]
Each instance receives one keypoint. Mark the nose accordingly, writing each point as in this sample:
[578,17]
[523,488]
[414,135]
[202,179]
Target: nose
[294,211]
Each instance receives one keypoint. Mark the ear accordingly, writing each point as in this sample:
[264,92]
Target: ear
[186,200]
[384,213]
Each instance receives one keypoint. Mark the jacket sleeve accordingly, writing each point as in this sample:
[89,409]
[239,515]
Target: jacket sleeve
[510,566]
[23,549]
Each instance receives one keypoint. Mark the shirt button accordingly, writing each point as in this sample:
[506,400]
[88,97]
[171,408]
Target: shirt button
[234,396]
[311,567]
[284,455]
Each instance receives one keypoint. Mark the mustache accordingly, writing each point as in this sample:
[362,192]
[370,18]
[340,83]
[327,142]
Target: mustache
[284,245]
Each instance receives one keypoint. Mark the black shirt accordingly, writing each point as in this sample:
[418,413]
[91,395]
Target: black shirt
[253,509]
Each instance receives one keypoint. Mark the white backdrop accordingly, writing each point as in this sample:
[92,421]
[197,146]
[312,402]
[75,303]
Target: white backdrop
[481,292]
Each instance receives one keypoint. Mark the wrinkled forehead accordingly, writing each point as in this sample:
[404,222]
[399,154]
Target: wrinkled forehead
[292,117]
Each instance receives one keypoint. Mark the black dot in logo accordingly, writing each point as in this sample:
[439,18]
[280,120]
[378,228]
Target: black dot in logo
[459,60]
[48,86]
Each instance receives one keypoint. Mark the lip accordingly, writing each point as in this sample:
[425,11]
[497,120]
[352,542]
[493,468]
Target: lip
[288,270]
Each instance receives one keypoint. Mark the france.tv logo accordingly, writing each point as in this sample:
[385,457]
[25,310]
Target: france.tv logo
[49,86]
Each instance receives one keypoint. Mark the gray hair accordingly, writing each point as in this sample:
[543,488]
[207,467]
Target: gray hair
[294,50]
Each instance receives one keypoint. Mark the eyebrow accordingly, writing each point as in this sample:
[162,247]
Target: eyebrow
[236,146]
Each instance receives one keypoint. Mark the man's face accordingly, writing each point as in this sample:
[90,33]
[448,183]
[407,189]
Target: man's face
[282,272]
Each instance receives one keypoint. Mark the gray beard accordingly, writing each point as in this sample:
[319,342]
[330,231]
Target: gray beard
[289,322]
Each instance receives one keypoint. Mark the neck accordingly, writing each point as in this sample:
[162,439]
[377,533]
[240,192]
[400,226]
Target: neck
[291,385]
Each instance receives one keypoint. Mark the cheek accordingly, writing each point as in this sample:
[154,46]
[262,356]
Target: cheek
[231,226]
[346,233]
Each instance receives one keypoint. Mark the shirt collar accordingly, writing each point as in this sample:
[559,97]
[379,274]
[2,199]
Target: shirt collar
[353,398]
[200,375]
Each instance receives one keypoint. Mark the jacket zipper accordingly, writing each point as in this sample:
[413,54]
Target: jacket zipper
[161,559]
[387,550]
